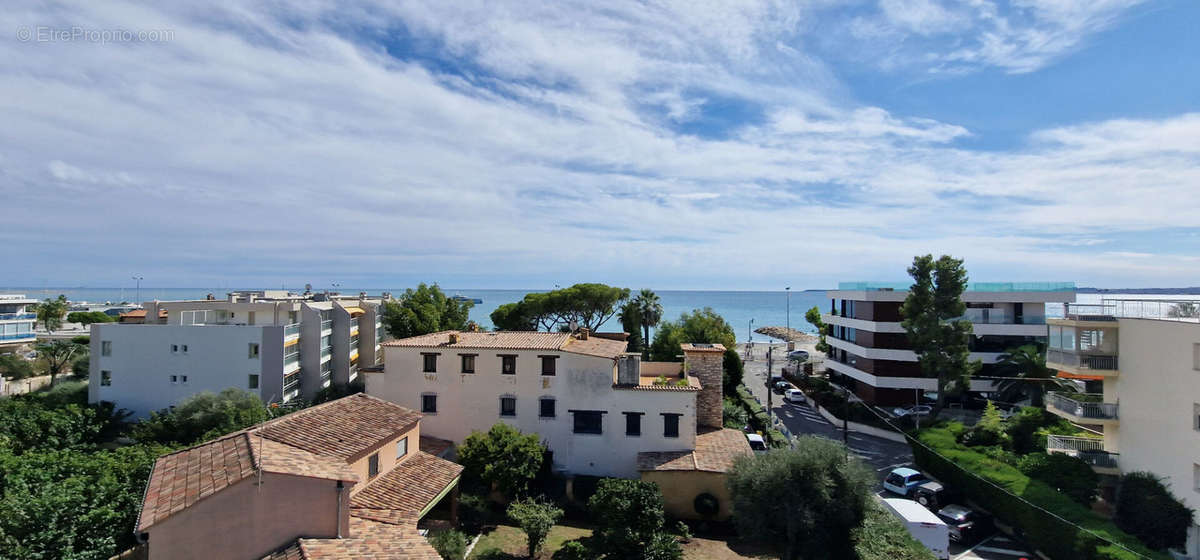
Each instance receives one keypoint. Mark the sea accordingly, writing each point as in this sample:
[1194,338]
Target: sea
[743,310]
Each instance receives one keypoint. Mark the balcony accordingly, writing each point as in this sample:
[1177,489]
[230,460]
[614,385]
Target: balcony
[291,330]
[18,316]
[291,384]
[1099,364]
[1090,450]
[1082,408]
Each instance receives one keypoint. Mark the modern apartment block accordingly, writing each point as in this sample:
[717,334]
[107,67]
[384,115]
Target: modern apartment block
[351,478]
[283,346]
[17,320]
[1141,362]
[599,410]
[871,349]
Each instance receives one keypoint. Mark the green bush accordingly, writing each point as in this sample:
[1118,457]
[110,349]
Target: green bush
[89,317]
[13,366]
[1004,491]
[1146,508]
[202,417]
[573,550]
[451,545]
[732,371]
[536,518]
[630,522]
[733,414]
[1070,475]
[502,458]
[883,537]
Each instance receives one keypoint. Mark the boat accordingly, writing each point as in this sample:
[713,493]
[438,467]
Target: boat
[460,298]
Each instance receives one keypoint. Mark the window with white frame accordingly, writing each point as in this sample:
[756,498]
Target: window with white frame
[402,447]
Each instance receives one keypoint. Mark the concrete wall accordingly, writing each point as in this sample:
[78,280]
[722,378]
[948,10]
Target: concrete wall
[250,521]
[680,488]
[1158,391]
[142,363]
[469,402]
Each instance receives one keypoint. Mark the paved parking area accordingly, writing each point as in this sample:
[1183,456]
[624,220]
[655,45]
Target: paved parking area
[996,547]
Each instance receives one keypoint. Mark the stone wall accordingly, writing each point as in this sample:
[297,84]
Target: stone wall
[705,362]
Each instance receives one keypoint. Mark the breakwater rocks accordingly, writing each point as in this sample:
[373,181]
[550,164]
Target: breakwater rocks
[786,334]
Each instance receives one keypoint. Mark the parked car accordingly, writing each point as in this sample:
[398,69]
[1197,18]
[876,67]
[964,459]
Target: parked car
[794,396]
[966,525]
[757,443]
[932,495]
[781,387]
[919,410]
[926,527]
[902,480]
[798,355]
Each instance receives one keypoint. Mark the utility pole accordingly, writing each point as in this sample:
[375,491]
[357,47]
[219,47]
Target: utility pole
[770,389]
[788,290]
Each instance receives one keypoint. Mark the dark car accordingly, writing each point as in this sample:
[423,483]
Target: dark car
[932,495]
[780,387]
[966,525]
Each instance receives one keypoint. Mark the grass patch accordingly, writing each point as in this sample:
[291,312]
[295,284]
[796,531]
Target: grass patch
[506,542]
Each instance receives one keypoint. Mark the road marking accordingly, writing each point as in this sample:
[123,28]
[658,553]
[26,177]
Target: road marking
[1007,551]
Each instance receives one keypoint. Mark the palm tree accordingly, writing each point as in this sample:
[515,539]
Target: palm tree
[1032,375]
[652,311]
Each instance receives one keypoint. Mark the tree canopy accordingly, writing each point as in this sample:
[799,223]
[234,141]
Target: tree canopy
[699,326]
[50,312]
[584,305]
[1028,364]
[932,317]
[202,417]
[13,366]
[536,518]
[89,317]
[630,522]
[827,497]
[501,458]
[425,310]
[650,311]
[1146,509]
[57,354]
[813,316]
[630,316]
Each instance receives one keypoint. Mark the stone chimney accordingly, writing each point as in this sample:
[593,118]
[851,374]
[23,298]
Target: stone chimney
[453,338]
[706,362]
[583,333]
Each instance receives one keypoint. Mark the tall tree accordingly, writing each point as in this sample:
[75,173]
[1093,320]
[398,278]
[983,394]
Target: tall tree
[652,311]
[425,310]
[58,354]
[582,305]
[50,312]
[502,458]
[631,522]
[932,319]
[813,316]
[701,325]
[1028,363]
[630,317]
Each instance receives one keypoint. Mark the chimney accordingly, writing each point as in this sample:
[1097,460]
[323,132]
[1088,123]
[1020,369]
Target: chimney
[629,369]
[453,338]
[706,363]
[583,333]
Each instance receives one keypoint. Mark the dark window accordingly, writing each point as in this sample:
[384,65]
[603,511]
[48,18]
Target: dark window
[548,363]
[508,365]
[546,410]
[468,363]
[430,363]
[589,422]
[508,406]
[633,423]
[670,425]
[429,403]
[373,465]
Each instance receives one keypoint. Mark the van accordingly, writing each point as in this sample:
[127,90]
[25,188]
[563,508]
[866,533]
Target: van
[924,526]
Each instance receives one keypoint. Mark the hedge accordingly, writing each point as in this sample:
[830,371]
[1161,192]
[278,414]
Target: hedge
[1058,539]
[758,418]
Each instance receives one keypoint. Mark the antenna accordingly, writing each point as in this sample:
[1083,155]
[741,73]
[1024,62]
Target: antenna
[270,404]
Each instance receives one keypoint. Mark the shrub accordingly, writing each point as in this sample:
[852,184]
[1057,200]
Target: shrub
[630,522]
[1070,475]
[502,458]
[473,512]
[451,545]
[1146,509]
[536,518]
[13,366]
[733,371]
[203,417]
[573,550]
[733,415]
[883,537]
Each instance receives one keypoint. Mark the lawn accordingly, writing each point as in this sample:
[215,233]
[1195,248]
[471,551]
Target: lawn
[506,542]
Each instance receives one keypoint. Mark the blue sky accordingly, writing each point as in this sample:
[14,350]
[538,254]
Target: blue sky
[747,144]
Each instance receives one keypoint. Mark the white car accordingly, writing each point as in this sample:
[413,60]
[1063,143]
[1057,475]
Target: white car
[757,443]
[794,396]
[919,410]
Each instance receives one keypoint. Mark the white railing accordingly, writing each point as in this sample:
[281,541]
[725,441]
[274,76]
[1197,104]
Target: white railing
[1082,408]
[1073,443]
[1082,361]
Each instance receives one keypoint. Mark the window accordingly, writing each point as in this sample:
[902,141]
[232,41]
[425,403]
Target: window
[468,363]
[430,363]
[1195,416]
[546,408]
[105,378]
[633,423]
[508,365]
[253,350]
[589,421]
[185,349]
[670,425]
[1196,357]
[174,348]
[252,383]
[548,363]
[373,465]
[106,348]
[183,379]
[429,404]
[1196,476]
[174,379]
[508,406]
[402,447]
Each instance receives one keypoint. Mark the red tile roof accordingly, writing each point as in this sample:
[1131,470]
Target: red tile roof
[185,477]
[346,428]
[716,450]
[516,340]
[410,486]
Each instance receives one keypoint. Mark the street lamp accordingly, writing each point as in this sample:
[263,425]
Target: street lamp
[749,331]
[788,290]
[139,289]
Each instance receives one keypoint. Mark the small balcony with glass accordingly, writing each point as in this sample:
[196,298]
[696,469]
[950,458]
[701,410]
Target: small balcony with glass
[1084,346]
[1083,408]
[1090,450]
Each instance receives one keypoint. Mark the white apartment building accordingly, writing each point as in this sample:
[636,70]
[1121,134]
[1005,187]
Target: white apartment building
[870,347]
[17,320]
[1143,365]
[282,346]
[596,407]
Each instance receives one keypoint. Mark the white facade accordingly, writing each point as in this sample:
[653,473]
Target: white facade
[17,321]
[469,402]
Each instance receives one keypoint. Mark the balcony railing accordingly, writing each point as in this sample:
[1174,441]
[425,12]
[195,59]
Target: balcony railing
[289,384]
[1083,405]
[18,336]
[17,316]
[1090,450]
[292,358]
[1082,361]
[291,330]
[326,351]
[327,324]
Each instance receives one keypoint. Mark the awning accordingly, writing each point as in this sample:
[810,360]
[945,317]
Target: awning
[355,311]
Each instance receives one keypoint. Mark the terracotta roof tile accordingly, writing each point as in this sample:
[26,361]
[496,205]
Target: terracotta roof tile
[344,428]
[716,450]
[435,446]
[410,486]
[516,340]
[372,539]
[185,477]
[595,346]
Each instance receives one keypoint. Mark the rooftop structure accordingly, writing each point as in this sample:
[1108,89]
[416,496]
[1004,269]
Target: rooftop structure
[17,320]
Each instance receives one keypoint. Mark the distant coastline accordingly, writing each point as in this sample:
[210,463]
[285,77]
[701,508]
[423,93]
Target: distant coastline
[1193,291]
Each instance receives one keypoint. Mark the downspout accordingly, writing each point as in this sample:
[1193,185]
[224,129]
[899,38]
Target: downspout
[340,489]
